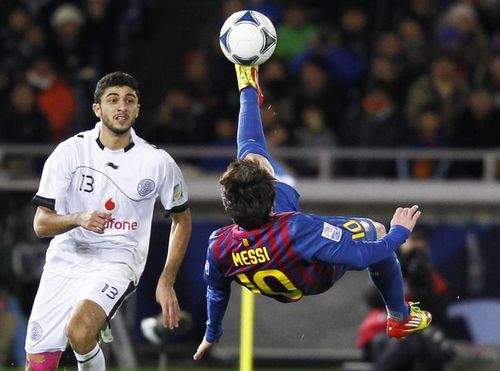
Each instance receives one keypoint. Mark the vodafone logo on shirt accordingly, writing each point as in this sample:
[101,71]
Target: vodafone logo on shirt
[110,205]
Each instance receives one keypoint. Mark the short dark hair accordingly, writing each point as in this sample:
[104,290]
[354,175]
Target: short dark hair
[115,79]
[248,193]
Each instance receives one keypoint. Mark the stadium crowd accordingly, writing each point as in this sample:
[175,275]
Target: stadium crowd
[418,74]
[386,74]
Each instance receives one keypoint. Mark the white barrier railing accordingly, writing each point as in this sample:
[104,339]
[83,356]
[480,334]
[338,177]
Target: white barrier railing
[325,157]
[326,187]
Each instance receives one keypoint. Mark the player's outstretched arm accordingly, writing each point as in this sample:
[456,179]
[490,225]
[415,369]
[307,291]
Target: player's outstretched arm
[361,254]
[47,223]
[165,293]
[406,217]
[217,301]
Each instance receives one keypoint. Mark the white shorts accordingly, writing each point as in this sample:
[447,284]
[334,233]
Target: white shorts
[55,299]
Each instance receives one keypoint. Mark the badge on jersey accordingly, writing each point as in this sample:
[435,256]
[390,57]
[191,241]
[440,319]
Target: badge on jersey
[331,232]
[178,193]
[145,187]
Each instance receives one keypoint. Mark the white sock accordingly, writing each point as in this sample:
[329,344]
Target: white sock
[92,361]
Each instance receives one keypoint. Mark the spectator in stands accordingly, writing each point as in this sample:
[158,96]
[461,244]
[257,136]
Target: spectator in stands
[462,35]
[385,71]
[415,46]
[315,89]
[55,98]
[375,122]
[197,83]
[69,47]
[427,351]
[294,33]
[312,132]
[389,45]
[101,32]
[32,44]
[477,128]
[176,120]
[429,133]
[11,36]
[224,137]
[349,60]
[424,12]
[343,52]
[443,85]
[22,121]
[276,83]
[416,53]
[493,79]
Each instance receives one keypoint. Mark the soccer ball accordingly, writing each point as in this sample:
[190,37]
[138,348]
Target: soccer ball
[248,38]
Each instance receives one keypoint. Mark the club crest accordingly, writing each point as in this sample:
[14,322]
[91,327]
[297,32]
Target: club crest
[35,331]
[145,187]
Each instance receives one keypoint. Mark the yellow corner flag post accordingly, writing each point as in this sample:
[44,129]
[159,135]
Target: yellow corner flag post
[246,330]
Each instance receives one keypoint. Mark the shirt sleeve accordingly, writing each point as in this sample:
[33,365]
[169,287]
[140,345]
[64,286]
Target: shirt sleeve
[213,275]
[217,301]
[319,240]
[173,193]
[218,293]
[56,178]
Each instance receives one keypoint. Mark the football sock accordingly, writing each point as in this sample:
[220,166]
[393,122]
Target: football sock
[387,277]
[44,361]
[250,137]
[92,361]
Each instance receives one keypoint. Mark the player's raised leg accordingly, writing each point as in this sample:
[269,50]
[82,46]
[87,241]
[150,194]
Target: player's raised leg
[250,136]
[387,277]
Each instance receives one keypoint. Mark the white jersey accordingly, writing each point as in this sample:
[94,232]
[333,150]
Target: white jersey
[82,175]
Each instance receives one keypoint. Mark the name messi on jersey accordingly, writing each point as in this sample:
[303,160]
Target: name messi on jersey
[250,256]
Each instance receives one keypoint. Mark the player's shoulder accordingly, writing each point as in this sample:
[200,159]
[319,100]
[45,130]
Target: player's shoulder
[298,221]
[74,142]
[152,151]
[288,215]
[220,232]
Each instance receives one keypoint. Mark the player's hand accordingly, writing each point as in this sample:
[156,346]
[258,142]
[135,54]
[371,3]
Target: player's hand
[94,221]
[406,217]
[202,348]
[170,310]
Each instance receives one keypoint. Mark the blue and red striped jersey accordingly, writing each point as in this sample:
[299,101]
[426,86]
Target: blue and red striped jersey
[282,259]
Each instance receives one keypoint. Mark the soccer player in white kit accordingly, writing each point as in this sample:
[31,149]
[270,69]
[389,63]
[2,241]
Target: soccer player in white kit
[96,197]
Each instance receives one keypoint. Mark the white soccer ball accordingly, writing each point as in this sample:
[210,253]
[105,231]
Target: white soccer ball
[248,38]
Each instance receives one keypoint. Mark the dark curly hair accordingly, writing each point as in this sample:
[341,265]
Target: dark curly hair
[115,79]
[248,193]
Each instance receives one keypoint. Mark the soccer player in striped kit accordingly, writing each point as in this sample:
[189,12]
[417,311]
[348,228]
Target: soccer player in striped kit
[275,250]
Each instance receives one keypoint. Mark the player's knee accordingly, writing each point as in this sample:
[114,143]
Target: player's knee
[43,361]
[81,338]
[380,228]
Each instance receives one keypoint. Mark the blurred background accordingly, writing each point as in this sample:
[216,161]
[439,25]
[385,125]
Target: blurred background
[369,105]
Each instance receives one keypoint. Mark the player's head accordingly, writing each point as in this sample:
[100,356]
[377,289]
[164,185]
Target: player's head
[116,101]
[247,193]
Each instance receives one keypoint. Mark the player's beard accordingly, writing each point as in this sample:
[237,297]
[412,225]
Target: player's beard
[117,130]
